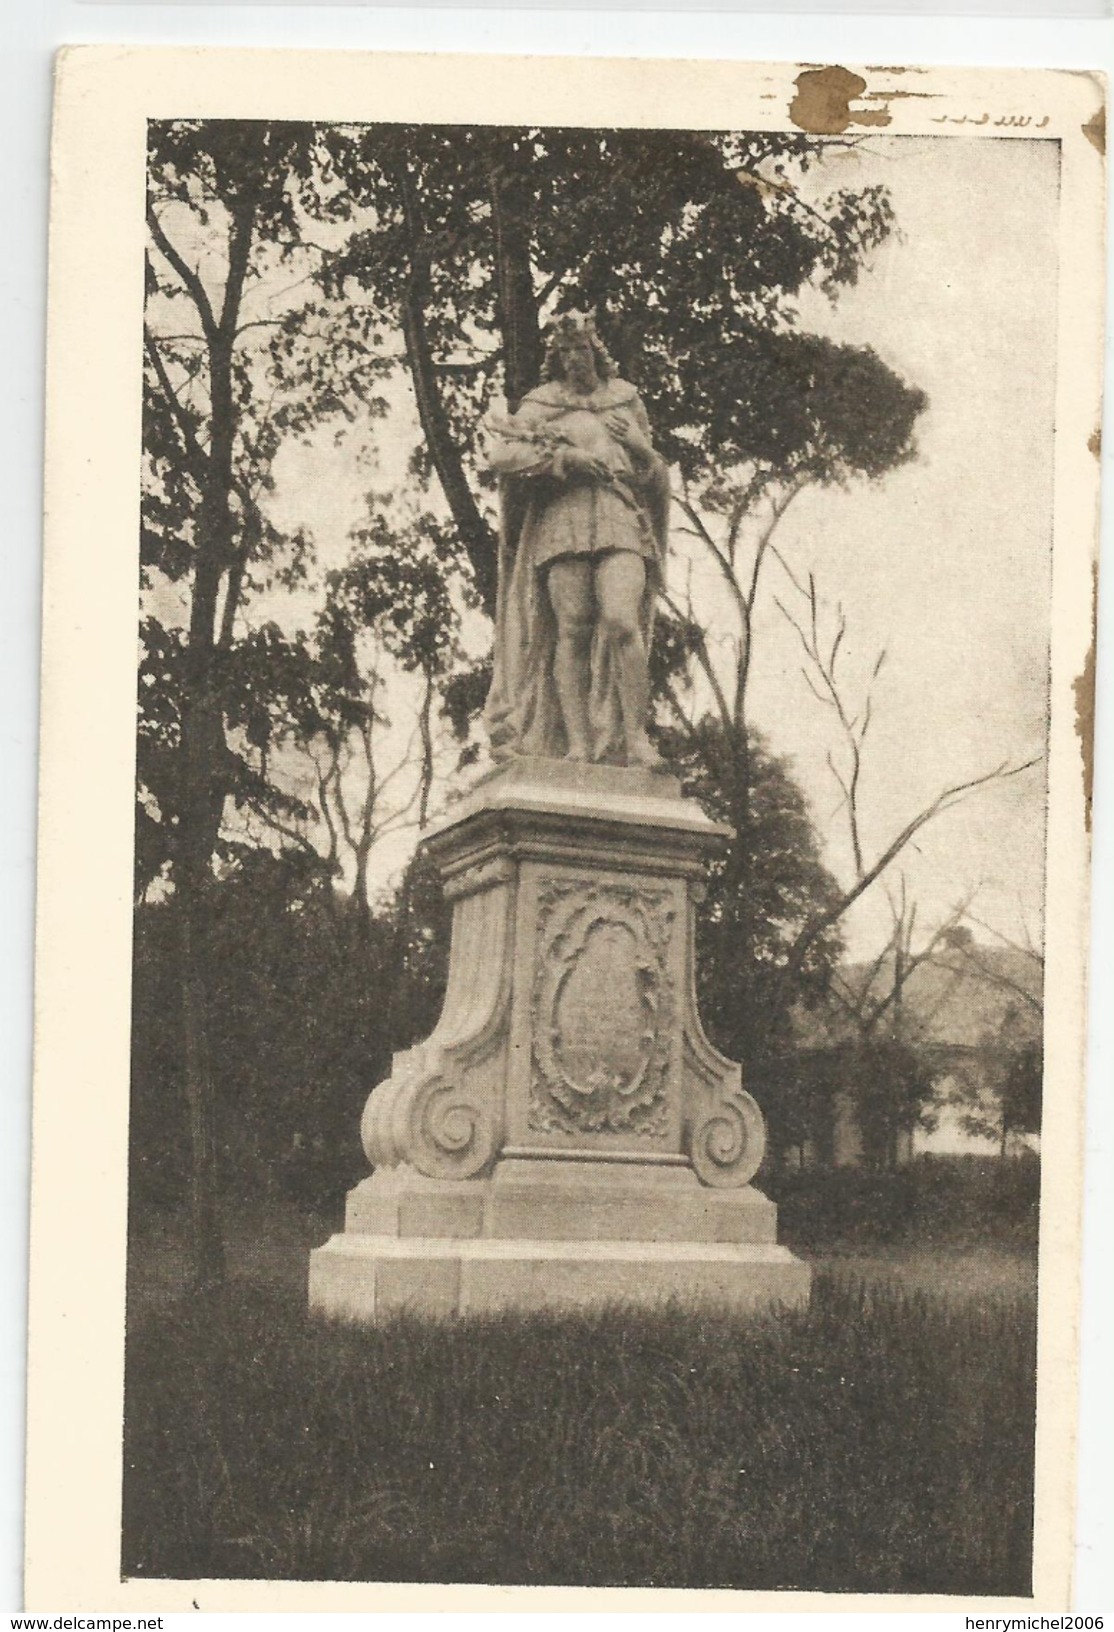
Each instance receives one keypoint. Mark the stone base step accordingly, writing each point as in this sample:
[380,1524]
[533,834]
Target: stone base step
[372,1277]
[561,1201]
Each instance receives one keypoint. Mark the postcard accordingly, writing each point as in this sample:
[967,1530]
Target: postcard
[567,716]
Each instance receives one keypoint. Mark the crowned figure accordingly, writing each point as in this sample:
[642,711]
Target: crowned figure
[584,507]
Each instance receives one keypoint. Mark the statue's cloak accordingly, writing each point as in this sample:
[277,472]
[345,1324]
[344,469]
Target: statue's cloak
[544,518]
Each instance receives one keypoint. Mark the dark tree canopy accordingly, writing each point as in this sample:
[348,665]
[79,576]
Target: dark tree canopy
[690,247]
[745,935]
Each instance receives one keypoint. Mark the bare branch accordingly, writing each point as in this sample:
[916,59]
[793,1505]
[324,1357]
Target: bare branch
[479,365]
[703,532]
[853,727]
[944,801]
[403,764]
[909,961]
[323,778]
[993,977]
[259,323]
[807,678]
[1028,949]
[703,656]
[841,630]
[190,278]
[195,453]
[551,285]
[787,569]
[342,804]
[683,719]
[271,820]
[875,970]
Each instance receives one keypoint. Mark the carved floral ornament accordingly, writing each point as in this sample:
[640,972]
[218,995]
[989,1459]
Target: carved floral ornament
[603,1009]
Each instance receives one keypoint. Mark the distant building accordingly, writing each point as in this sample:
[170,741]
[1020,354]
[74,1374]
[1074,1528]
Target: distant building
[880,1075]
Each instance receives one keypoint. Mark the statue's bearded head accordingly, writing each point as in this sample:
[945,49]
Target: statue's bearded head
[574,352]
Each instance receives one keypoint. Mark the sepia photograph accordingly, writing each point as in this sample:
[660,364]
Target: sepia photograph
[605,821]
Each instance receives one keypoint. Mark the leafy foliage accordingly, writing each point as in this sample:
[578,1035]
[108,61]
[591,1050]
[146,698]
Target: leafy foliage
[747,930]
[1002,1094]
[893,1086]
[294,1020]
[691,247]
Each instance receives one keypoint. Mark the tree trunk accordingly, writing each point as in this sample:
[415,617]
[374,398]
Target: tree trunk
[425,728]
[207,1268]
[202,748]
[359,903]
[200,821]
[475,534]
[514,282]
[203,785]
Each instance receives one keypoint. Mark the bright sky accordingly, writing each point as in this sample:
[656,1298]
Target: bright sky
[945,563]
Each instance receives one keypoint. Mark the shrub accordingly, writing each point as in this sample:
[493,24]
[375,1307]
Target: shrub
[935,1200]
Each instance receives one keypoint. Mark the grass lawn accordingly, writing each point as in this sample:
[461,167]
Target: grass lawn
[981,1272]
[879,1441]
[269,1246]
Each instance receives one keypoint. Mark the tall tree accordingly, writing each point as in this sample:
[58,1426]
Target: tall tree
[224,384]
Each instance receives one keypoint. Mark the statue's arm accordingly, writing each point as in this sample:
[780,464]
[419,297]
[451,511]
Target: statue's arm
[652,474]
[631,426]
[641,418]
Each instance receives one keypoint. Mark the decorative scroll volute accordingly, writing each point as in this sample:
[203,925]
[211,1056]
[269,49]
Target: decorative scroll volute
[441,1109]
[728,1141]
[443,1125]
[725,1131]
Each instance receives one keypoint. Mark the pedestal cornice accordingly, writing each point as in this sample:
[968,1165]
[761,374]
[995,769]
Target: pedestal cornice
[595,816]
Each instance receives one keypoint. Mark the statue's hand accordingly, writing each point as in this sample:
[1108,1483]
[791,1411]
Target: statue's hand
[629,436]
[574,464]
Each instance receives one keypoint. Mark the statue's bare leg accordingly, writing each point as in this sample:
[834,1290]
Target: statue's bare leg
[620,586]
[569,583]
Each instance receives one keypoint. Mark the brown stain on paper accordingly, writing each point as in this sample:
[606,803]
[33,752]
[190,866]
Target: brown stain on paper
[1095,130]
[822,105]
[1084,687]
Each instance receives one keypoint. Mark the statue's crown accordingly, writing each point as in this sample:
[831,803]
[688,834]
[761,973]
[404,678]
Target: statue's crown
[566,324]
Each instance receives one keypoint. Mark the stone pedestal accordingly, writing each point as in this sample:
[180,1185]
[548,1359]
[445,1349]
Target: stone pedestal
[567,1135]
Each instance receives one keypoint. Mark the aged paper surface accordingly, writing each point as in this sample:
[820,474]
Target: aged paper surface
[105,98]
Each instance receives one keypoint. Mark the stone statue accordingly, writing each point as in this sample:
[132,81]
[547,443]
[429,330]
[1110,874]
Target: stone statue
[585,504]
[567,1135]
